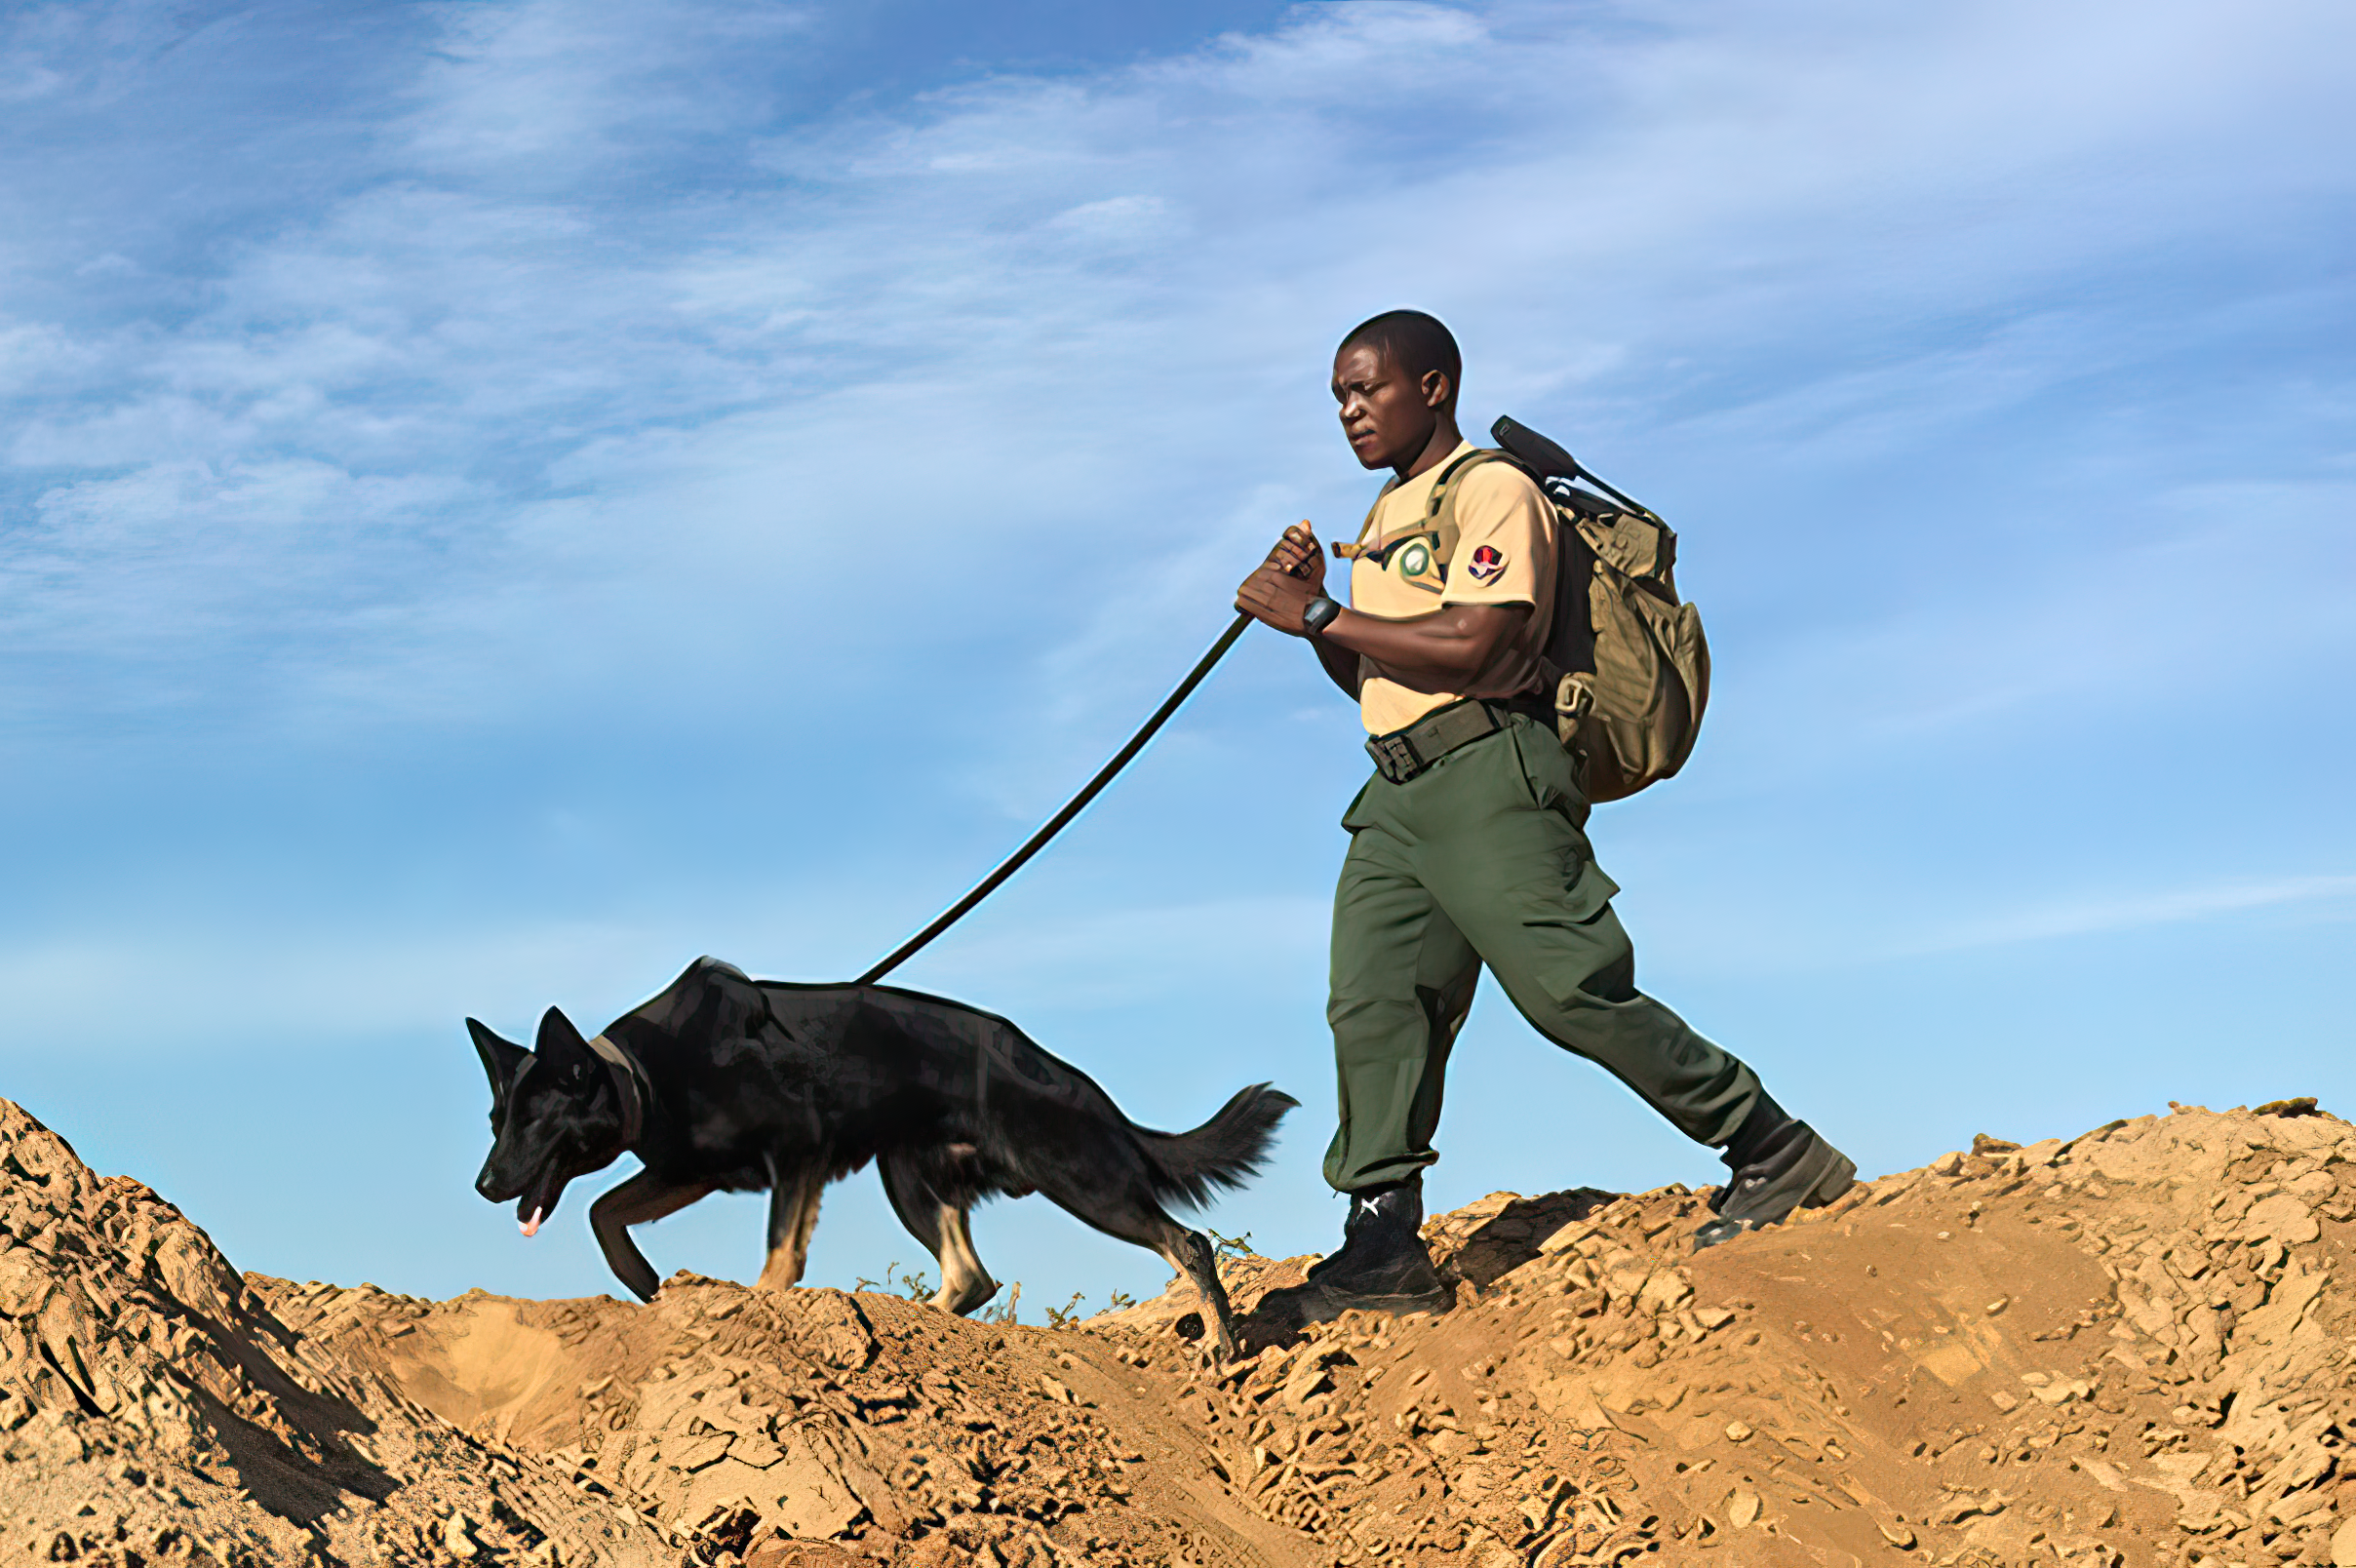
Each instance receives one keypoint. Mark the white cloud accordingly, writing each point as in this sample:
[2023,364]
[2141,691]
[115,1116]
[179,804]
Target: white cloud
[543,502]
[174,553]
[557,91]
[604,382]
[2128,912]
[1137,271]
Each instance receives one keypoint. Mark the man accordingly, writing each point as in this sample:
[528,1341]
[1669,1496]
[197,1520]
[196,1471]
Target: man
[1474,851]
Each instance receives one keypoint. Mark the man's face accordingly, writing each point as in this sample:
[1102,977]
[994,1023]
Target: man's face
[1388,417]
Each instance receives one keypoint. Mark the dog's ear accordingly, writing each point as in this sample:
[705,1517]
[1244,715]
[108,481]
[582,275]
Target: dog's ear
[561,1050]
[502,1060]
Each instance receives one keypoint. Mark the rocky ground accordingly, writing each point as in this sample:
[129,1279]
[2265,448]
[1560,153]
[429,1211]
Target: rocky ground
[2129,1348]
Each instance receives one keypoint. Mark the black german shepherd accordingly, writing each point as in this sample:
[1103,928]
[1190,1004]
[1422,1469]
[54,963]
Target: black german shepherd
[728,1084]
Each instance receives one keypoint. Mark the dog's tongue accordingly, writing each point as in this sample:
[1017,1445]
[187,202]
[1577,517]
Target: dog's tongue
[531,1226]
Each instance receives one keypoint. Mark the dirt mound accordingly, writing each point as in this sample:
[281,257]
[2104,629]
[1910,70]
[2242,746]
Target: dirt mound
[153,1408]
[2128,1349]
[730,1418]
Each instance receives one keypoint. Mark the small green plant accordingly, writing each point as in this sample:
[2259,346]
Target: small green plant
[865,1283]
[1120,1299]
[914,1285]
[1004,1313]
[1229,1246]
[1067,1315]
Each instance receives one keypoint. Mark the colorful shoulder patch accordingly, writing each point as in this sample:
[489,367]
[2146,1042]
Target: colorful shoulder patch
[1486,563]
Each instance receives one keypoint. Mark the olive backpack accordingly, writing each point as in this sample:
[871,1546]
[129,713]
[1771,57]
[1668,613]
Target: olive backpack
[1626,664]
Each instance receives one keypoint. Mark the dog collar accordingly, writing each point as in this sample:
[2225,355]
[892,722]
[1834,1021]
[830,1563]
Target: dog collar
[630,1081]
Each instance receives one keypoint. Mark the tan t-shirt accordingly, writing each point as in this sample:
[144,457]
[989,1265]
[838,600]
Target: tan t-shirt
[1505,555]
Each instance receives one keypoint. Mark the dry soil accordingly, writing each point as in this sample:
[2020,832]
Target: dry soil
[2132,1347]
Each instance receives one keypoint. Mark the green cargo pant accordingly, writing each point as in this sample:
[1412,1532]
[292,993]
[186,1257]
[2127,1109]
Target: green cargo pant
[1481,859]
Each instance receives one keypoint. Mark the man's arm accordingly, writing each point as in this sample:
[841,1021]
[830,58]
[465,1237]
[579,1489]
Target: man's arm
[1341,665]
[1435,652]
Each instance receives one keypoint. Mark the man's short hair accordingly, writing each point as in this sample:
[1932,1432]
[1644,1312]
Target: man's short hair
[1412,341]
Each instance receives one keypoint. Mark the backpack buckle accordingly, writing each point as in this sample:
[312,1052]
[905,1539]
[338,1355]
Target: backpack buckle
[1574,700]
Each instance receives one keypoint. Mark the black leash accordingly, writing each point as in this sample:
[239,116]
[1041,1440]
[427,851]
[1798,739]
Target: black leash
[1072,809]
[1542,454]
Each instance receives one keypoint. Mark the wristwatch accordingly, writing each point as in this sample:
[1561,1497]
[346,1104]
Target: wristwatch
[1319,613]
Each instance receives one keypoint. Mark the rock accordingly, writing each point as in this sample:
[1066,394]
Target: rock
[1741,1509]
[1306,1381]
[1450,1444]
[1899,1536]
[693,1454]
[2039,1155]
[1664,1292]
[1965,1506]
[1565,1239]
[782,1552]
[2343,1544]
[1738,1431]
[2281,1218]
[1571,1402]
[458,1538]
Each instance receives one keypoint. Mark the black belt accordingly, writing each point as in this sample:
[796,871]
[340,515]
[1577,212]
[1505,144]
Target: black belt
[1404,754]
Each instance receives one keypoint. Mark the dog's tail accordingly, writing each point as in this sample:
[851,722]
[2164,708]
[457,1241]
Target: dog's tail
[1225,1150]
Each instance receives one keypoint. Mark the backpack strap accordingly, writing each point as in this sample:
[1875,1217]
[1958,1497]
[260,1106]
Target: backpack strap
[1443,488]
[1441,511]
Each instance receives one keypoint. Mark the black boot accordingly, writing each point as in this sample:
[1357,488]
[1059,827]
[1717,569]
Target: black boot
[1382,1264]
[1396,1205]
[1779,1164]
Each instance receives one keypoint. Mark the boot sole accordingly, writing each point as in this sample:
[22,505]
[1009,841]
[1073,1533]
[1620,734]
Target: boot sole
[1323,1305]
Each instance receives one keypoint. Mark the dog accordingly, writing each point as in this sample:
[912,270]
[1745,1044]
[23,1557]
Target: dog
[726,1083]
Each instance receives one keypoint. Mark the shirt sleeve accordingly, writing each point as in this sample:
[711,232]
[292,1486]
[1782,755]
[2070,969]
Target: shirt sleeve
[1505,539]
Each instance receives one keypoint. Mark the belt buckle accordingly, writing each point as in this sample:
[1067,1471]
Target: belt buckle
[1394,757]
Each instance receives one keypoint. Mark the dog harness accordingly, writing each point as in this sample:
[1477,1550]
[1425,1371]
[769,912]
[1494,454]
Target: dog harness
[630,1081]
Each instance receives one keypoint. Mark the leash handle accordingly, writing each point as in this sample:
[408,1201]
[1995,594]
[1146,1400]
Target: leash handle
[1072,808]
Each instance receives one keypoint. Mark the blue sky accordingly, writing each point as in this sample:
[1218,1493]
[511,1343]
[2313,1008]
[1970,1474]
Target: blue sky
[497,500]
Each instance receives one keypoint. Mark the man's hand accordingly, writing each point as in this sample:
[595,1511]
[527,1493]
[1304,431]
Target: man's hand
[1293,574]
[1299,554]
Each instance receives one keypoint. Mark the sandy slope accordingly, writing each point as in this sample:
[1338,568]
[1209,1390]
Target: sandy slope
[154,1408]
[2132,1347]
